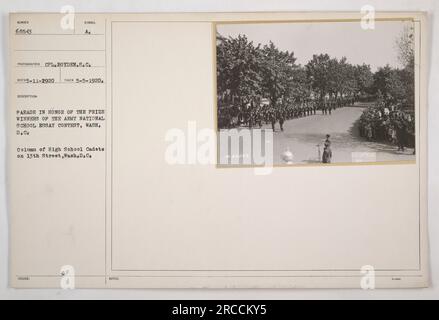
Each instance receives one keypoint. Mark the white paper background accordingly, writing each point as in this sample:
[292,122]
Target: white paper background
[431,6]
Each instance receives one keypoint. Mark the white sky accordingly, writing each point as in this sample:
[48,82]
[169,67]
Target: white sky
[374,47]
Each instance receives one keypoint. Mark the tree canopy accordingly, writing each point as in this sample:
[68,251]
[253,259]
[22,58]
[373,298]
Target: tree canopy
[248,73]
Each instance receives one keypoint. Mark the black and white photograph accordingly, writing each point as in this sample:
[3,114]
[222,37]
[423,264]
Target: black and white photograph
[331,92]
[243,152]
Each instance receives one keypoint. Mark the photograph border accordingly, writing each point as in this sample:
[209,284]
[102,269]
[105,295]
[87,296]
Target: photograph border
[417,84]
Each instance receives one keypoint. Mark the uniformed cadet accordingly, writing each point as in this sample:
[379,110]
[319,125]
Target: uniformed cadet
[327,151]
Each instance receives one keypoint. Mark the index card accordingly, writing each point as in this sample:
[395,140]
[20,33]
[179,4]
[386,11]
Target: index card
[218,150]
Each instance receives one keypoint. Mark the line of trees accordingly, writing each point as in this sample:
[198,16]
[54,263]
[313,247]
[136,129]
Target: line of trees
[257,84]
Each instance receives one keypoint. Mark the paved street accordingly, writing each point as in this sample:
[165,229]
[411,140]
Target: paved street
[301,136]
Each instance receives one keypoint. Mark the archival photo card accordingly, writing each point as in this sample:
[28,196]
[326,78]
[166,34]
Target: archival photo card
[218,150]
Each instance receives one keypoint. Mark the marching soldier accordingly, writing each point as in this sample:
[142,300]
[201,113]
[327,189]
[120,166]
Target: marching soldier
[281,118]
[271,117]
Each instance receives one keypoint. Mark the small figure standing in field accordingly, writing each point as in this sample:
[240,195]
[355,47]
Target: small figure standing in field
[327,152]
